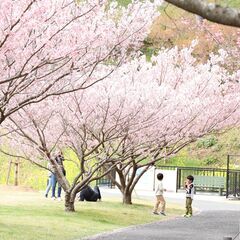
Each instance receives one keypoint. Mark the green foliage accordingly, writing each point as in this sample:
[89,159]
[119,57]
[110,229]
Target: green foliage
[148,49]
[207,142]
[210,151]
[149,52]
[124,3]
[70,164]
[182,161]
[217,147]
[230,3]
[210,161]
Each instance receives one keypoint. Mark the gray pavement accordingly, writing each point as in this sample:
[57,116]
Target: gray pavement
[212,225]
[217,217]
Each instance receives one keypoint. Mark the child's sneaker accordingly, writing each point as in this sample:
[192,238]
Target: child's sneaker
[163,213]
[187,215]
[59,199]
[155,213]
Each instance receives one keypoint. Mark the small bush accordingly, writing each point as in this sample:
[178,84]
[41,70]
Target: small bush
[207,142]
[210,160]
[218,147]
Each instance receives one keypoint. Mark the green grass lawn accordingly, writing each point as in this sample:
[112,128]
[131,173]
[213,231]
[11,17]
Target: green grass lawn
[29,216]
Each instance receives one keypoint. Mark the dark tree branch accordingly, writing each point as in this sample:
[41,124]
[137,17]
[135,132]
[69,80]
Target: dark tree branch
[210,11]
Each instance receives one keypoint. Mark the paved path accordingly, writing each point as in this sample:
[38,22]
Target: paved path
[212,225]
[218,217]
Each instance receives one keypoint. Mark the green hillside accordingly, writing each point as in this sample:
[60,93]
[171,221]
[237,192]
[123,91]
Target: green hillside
[210,151]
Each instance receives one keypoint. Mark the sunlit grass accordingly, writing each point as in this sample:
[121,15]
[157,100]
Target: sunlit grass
[28,216]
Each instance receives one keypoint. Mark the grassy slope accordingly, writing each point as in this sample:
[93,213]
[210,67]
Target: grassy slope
[210,151]
[27,216]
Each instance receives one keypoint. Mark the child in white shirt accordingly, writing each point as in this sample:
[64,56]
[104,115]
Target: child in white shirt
[160,201]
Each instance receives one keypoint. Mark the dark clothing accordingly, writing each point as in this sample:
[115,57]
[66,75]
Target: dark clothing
[190,190]
[88,194]
[59,159]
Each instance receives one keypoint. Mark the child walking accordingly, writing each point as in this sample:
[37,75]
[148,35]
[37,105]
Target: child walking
[189,195]
[160,201]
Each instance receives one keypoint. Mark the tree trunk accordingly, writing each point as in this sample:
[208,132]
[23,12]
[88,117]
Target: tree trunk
[69,203]
[127,197]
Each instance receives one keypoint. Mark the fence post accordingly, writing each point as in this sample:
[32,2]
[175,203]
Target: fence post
[154,176]
[9,171]
[179,178]
[227,178]
[176,179]
[16,173]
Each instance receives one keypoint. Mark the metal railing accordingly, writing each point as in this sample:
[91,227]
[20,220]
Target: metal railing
[232,238]
[232,177]
[235,237]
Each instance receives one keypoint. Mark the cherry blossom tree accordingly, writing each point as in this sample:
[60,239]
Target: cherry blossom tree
[35,136]
[142,113]
[90,124]
[84,123]
[183,100]
[55,47]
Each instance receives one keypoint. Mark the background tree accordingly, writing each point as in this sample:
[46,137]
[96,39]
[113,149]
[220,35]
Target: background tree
[210,11]
[176,27]
[180,101]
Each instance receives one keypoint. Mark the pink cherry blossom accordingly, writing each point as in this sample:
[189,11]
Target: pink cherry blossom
[54,47]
